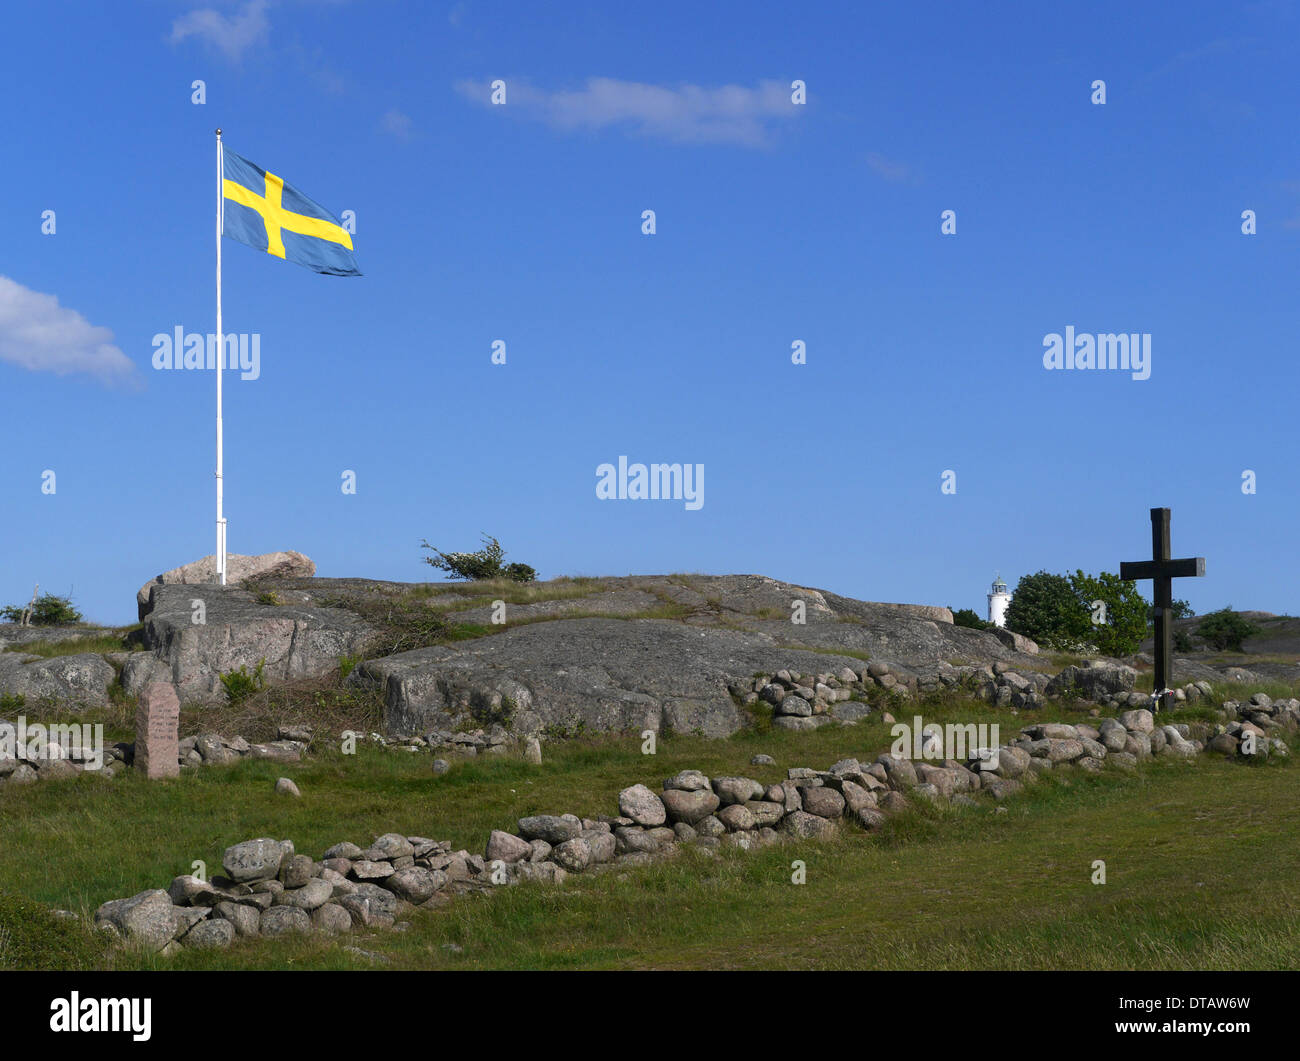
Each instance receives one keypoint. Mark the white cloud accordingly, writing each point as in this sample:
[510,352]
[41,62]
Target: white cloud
[397,124]
[889,169]
[38,334]
[729,114]
[230,34]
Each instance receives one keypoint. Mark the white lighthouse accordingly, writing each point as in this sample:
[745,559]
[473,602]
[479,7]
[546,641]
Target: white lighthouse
[999,598]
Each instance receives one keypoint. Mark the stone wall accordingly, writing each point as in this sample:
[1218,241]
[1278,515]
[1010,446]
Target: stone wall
[268,889]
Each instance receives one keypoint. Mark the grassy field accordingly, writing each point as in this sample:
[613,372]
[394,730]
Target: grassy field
[1201,864]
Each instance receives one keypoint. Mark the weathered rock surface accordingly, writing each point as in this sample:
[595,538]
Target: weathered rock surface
[608,673]
[295,641]
[146,920]
[253,860]
[204,572]
[74,682]
[642,806]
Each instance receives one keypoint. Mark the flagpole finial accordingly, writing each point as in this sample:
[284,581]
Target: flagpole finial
[218,132]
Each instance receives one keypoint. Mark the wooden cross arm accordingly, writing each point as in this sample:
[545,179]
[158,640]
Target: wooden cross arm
[1188,567]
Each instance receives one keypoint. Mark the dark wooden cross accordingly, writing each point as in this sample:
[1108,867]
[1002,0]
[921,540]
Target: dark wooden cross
[1162,570]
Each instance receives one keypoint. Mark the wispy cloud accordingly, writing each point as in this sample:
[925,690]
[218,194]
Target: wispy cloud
[890,169]
[38,334]
[232,35]
[397,125]
[728,114]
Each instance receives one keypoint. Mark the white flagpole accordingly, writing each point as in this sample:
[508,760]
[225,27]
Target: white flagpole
[221,357]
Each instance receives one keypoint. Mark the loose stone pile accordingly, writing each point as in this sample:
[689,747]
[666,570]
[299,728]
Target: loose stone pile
[494,740]
[64,757]
[808,701]
[269,890]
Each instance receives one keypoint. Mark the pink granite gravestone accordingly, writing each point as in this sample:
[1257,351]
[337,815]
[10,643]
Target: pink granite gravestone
[157,731]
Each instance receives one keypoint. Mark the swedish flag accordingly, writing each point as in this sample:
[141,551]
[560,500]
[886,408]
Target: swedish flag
[263,211]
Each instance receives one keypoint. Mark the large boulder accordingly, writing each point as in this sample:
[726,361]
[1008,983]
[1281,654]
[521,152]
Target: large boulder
[642,806]
[1015,642]
[145,920]
[292,640]
[253,860]
[72,682]
[269,565]
[1093,680]
[689,807]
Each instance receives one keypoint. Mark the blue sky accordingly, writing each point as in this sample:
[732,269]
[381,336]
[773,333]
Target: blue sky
[775,222]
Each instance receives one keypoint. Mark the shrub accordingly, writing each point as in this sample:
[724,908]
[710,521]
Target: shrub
[1058,611]
[1045,607]
[1225,629]
[519,573]
[49,611]
[969,618]
[1126,612]
[479,566]
[240,685]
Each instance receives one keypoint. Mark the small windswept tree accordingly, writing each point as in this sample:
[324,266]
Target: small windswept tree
[47,610]
[476,567]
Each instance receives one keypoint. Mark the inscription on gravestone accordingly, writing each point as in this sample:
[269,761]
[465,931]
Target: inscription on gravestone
[157,731]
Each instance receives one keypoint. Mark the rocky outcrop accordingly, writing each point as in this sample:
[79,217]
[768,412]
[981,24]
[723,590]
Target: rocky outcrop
[289,640]
[580,674]
[269,565]
[74,683]
[618,671]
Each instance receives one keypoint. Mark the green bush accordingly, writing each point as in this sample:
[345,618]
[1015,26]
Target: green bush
[240,685]
[1225,630]
[519,573]
[479,566]
[969,618]
[1044,607]
[1059,611]
[49,611]
[1125,609]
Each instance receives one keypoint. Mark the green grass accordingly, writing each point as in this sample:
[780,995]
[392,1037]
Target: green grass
[1201,862]
[32,937]
[96,644]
